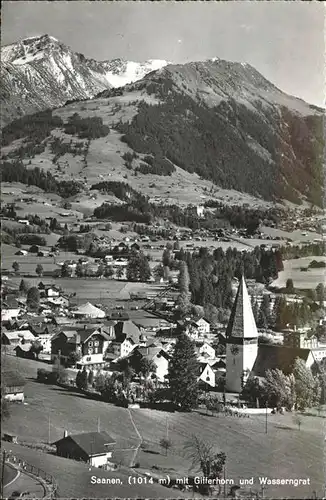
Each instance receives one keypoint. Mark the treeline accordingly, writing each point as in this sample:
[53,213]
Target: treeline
[86,128]
[309,250]
[35,128]
[17,172]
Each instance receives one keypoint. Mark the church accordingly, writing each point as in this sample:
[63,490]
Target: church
[244,357]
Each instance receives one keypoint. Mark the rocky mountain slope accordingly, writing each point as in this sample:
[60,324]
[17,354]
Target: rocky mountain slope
[221,121]
[40,72]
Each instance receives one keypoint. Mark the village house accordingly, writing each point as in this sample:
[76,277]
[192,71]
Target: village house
[95,448]
[10,309]
[48,290]
[16,337]
[206,376]
[58,302]
[13,386]
[127,336]
[89,345]
[205,349]
[157,356]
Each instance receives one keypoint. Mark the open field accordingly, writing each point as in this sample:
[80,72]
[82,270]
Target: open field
[27,263]
[94,288]
[74,478]
[284,452]
[301,279]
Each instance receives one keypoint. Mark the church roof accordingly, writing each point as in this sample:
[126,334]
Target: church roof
[271,357]
[242,322]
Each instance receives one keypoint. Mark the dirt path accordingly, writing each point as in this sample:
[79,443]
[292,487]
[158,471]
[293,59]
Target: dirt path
[133,461]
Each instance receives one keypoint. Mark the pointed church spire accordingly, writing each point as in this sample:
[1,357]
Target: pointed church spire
[242,322]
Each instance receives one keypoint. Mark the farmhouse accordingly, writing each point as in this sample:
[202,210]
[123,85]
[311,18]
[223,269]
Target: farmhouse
[94,448]
[13,386]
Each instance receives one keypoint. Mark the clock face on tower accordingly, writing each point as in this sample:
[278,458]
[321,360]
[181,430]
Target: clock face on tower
[235,350]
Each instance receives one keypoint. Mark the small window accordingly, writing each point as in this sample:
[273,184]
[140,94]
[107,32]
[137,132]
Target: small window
[96,342]
[90,351]
[90,343]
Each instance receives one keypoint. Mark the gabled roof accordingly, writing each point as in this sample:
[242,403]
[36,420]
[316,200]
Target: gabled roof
[127,329]
[242,322]
[69,334]
[12,378]
[19,334]
[85,334]
[270,357]
[23,347]
[92,443]
[10,302]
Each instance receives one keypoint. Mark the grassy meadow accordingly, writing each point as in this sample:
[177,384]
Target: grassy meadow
[284,452]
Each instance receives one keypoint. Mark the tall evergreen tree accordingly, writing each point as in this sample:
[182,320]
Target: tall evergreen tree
[33,297]
[23,287]
[183,373]
[183,280]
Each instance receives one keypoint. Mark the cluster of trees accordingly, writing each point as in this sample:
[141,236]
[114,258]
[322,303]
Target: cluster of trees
[138,267]
[121,190]
[32,239]
[35,128]
[17,172]
[60,148]
[307,250]
[296,389]
[27,150]
[156,165]
[86,128]
[122,213]
[211,276]
[282,314]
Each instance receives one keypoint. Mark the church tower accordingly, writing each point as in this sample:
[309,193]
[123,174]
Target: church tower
[241,341]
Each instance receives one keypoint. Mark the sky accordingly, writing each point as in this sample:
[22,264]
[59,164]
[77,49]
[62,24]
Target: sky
[285,41]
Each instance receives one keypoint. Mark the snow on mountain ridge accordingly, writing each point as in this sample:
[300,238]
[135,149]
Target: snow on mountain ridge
[47,73]
[131,71]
